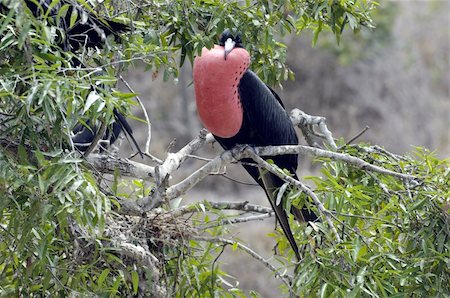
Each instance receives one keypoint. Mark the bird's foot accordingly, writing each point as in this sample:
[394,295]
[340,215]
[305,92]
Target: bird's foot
[239,150]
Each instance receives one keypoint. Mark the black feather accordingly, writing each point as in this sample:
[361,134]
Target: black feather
[88,31]
[266,123]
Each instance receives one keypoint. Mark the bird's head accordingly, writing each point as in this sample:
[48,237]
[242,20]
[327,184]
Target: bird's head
[230,39]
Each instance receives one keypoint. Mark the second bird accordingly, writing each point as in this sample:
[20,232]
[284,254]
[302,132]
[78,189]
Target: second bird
[238,108]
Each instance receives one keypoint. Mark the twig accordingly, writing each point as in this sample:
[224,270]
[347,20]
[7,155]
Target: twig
[355,137]
[100,133]
[238,181]
[264,164]
[147,119]
[198,157]
[378,149]
[237,220]
[366,217]
[285,278]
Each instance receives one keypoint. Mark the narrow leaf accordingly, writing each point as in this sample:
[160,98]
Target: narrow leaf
[281,193]
[135,281]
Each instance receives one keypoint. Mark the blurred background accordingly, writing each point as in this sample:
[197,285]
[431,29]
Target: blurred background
[394,79]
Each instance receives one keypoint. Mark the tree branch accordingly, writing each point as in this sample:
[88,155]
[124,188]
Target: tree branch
[231,221]
[174,160]
[208,205]
[306,122]
[355,161]
[106,164]
[264,164]
[285,278]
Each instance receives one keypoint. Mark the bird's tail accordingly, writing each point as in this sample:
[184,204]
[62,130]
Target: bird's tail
[271,185]
[304,214]
[127,130]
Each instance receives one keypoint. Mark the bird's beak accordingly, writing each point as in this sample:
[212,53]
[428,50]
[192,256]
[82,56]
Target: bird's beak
[229,46]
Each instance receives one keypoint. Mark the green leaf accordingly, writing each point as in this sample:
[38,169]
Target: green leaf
[73,18]
[92,98]
[135,281]
[351,21]
[280,193]
[62,12]
[102,277]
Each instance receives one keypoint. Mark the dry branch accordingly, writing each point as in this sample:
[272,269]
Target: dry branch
[174,160]
[231,221]
[125,167]
[306,123]
[208,205]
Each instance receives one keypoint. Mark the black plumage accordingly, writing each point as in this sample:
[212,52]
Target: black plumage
[81,29]
[266,123]
[87,30]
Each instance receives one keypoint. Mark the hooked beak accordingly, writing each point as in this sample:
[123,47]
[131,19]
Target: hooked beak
[229,46]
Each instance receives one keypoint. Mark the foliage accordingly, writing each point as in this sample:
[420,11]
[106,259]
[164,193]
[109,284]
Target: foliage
[60,220]
[395,234]
[367,43]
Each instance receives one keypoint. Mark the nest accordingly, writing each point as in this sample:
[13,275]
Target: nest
[159,227]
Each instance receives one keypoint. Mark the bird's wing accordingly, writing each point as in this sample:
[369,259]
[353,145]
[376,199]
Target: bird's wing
[264,112]
[277,97]
[267,123]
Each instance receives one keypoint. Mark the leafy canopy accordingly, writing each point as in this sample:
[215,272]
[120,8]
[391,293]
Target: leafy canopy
[57,216]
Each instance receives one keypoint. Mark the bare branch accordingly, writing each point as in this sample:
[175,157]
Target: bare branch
[228,156]
[306,122]
[106,164]
[207,205]
[357,136]
[174,160]
[209,168]
[231,221]
[355,161]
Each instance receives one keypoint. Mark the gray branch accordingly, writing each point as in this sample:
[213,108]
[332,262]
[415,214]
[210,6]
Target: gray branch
[237,220]
[355,161]
[207,205]
[306,123]
[128,168]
